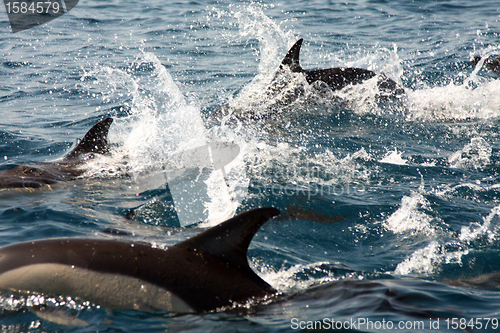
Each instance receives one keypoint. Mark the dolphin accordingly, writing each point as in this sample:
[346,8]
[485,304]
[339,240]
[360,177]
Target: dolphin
[489,281]
[336,78]
[206,272]
[45,173]
[492,64]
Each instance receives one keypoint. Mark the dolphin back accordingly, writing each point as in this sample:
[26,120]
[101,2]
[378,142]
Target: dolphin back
[229,240]
[222,250]
[204,273]
[339,77]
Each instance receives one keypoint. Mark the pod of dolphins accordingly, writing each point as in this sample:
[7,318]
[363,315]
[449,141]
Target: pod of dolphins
[207,272]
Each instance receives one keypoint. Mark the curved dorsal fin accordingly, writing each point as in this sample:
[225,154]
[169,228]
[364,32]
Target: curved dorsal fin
[229,240]
[292,57]
[94,141]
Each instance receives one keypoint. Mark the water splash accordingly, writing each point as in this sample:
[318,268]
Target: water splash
[488,230]
[411,216]
[455,101]
[302,276]
[253,23]
[162,123]
[394,157]
[475,155]
[423,261]
[450,248]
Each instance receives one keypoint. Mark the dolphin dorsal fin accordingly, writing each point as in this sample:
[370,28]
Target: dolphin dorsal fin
[292,57]
[229,240]
[94,141]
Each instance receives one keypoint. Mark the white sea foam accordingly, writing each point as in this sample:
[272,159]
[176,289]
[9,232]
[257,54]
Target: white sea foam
[475,155]
[163,123]
[412,216]
[422,261]
[394,157]
[489,229]
[291,279]
[428,260]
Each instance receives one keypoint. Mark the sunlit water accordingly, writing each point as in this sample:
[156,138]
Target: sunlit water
[390,209]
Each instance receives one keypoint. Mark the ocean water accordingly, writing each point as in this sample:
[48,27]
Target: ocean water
[391,210]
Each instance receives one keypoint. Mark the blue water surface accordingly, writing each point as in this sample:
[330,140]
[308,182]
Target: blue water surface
[391,209]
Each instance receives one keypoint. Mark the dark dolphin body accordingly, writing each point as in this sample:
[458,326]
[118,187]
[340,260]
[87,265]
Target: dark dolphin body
[203,273]
[492,64]
[336,78]
[45,173]
[490,281]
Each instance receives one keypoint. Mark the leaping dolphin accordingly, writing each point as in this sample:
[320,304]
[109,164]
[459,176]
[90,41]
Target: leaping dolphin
[36,175]
[206,272]
[336,78]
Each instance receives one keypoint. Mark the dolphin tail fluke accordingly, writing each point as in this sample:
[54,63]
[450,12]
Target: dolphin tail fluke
[292,57]
[94,141]
[229,240]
